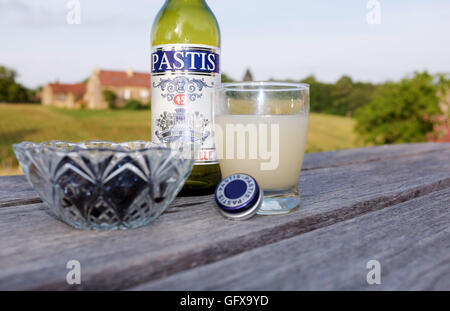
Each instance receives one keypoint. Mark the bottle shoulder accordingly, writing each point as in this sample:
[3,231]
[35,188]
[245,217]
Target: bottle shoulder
[190,25]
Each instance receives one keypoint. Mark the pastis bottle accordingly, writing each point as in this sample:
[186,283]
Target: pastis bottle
[185,69]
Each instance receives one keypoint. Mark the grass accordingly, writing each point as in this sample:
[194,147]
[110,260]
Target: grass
[328,133]
[37,123]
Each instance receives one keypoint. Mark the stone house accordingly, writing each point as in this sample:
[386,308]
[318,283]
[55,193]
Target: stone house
[125,84]
[63,95]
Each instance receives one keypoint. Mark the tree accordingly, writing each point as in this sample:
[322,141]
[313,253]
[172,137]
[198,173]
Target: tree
[441,128]
[133,104]
[341,98]
[226,78]
[320,95]
[248,77]
[10,90]
[340,93]
[397,113]
[360,96]
[348,96]
[110,97]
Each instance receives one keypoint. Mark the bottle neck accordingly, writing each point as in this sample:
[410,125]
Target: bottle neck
[185,2]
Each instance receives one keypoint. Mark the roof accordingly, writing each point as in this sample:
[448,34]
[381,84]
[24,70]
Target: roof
[77,89]
[122,78]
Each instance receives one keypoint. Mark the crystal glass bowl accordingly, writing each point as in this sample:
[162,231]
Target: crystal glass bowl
[105,185]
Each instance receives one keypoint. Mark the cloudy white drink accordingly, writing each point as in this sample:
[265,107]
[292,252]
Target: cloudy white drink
[268,147]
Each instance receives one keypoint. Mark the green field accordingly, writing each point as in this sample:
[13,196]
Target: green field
[37,123]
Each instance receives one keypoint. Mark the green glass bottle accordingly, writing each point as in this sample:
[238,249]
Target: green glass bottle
[185,69]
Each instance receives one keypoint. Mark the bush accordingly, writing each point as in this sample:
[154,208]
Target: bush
[397,113]
[147,106]
[10,90]
[133,104]
[110,97]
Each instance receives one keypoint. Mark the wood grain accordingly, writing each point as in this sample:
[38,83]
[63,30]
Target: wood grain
[365,155]
[410,240]
[15,190]
[35,248]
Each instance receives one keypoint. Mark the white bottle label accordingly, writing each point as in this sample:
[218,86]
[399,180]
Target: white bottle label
[183,80]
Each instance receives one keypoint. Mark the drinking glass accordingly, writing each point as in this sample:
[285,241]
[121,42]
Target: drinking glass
[261,130]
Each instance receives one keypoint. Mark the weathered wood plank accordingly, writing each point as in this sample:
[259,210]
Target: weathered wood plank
[34,247]
[14,190]
[365,155]
[410,240]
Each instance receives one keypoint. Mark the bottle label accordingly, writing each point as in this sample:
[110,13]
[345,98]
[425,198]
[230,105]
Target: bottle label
[183,80]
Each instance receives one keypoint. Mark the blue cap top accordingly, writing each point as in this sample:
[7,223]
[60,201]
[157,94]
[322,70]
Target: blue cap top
[237,194]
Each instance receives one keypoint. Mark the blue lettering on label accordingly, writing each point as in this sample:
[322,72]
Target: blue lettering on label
[185,60]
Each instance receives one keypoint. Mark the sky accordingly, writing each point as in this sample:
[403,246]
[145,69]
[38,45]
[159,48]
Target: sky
[283,39]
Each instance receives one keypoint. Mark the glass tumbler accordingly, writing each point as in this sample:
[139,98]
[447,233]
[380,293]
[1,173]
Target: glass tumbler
[261,130]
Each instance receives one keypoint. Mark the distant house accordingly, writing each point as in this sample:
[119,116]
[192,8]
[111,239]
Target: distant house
[63,95]
[125,84]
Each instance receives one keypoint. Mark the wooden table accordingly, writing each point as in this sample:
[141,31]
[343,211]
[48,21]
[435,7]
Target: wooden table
[390,204]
